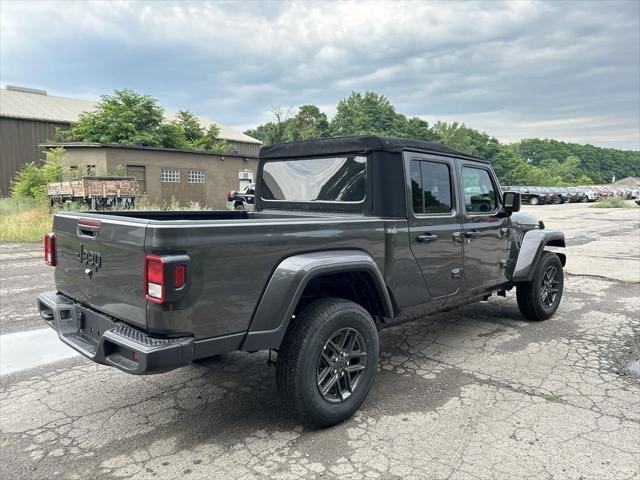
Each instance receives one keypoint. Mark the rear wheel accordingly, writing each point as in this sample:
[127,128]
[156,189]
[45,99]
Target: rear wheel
[539,299]
[534,201]
[239,206]
[327,361]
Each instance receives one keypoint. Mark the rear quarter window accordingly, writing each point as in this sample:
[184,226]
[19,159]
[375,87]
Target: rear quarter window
[326,179]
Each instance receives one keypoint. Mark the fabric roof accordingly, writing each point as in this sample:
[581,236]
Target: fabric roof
[328,146]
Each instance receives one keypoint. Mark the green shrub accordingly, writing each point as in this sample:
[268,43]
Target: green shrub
[32,180]
[611,202]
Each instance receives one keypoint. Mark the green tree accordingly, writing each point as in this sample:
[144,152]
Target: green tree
[275,131]
[368,114]
[127,117]
[172,135]
[211,141]
[415,127]
[124,117]
[193,131]
[307,124]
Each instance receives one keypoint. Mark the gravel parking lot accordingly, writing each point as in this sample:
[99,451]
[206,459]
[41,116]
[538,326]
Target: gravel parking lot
[473,393]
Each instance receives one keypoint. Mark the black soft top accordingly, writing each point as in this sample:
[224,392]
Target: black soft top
[362,143]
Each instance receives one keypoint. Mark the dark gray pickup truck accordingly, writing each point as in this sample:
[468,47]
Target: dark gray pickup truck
[349,235]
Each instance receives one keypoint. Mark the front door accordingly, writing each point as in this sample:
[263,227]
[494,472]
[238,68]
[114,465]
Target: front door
[434,222]
[138,171]
[485,227]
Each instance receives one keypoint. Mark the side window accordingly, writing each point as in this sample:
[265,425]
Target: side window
[479,194]
[430,187]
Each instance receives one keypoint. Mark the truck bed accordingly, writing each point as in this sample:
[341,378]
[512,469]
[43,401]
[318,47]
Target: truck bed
[232,256]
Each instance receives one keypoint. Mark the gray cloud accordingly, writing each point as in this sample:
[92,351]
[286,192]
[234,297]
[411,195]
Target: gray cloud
[567,70]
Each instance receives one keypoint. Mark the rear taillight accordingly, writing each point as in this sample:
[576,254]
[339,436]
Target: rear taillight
[50,257]
[179,276]
[165,277]
[229,196]
[154,275]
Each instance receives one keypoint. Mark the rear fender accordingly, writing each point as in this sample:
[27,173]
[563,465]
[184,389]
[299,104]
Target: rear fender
[532,249]
[286,285]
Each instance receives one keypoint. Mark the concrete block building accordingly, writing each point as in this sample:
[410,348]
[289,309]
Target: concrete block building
[163,174]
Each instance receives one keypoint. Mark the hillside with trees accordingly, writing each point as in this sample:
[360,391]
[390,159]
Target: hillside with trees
[528,162]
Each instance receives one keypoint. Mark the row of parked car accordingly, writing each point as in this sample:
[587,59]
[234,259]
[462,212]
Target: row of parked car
[557,195]
[243,199]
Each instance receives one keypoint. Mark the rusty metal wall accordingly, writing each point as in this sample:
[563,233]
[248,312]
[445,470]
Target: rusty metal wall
[19,139]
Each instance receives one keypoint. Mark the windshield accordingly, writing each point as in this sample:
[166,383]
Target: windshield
[327,179]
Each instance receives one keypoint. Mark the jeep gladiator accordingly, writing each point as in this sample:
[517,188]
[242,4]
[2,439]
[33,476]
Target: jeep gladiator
[349,235]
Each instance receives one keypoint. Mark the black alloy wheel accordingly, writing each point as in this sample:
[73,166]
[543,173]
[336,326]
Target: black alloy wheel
[549,287]
[341,365]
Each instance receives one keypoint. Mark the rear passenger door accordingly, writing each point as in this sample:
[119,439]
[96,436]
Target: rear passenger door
[486,228]
[434,222]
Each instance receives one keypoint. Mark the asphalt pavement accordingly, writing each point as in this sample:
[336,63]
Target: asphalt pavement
[478,392]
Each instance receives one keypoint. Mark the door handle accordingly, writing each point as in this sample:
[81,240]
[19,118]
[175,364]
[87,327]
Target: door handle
[456,237]
[427,237]
[471,234]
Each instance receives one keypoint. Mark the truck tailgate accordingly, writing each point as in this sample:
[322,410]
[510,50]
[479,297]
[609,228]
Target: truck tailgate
[100,263]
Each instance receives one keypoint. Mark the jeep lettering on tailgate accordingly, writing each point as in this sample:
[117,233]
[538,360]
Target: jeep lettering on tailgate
[89,258]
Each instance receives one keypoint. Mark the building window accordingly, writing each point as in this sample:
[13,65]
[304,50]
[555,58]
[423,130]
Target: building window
[195,176]
[91,170]
[170,176]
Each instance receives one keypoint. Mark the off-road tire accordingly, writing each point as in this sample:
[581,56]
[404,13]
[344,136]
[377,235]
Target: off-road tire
[534,201]
[528,294]
[299,357]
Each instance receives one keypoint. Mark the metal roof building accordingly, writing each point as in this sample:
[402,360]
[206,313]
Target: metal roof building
[29,117]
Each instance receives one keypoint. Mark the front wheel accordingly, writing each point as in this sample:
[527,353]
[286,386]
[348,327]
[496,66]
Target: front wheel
[539,299]
[327,361]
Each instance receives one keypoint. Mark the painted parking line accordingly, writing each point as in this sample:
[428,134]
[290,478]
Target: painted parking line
[23,350]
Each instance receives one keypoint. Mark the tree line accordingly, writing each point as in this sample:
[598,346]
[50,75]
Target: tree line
[528,162]
[126,117]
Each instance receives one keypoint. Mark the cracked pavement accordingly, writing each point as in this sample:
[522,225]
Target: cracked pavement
[477,392]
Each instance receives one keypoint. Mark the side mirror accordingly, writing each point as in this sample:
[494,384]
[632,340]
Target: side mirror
[511,202]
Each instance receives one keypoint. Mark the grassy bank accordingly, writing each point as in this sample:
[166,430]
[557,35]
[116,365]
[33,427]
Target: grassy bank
[23,220]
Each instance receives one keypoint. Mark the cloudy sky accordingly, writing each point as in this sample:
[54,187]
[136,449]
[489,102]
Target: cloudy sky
[565,70]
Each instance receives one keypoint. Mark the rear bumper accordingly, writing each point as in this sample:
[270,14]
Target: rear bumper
[99,338]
